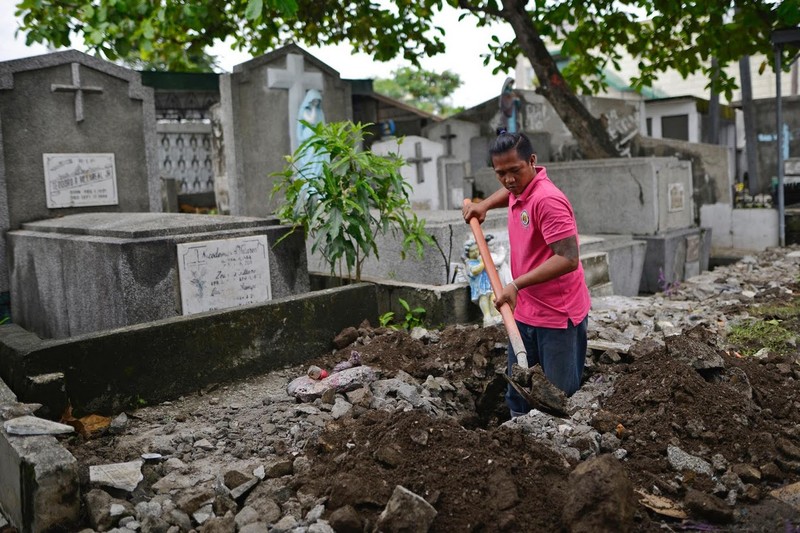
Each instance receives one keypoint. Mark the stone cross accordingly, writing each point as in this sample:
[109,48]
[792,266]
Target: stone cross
[298,82]
[448,138]
[419,161]
[77,89]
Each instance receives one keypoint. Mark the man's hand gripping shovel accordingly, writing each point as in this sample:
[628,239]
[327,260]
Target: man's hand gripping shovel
[543,395]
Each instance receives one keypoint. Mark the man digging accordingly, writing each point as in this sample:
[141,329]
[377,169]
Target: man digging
[548,293]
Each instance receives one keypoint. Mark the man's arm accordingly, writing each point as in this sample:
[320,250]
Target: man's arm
[499,198]
[565,259]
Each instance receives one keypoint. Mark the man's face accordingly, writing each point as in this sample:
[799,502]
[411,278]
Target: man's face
[514,173]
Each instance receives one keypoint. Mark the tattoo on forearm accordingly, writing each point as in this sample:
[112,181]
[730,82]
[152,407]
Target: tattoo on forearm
[567,248]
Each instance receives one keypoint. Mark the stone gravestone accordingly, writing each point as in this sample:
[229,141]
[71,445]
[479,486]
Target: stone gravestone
[92,272]
[420,171]
[259,105]
[451,195]
[455,135]
[77,134]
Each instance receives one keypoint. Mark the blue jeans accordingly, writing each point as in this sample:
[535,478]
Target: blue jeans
[561,352]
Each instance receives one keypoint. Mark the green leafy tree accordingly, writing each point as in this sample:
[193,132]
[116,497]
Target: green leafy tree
[357,196]
[423,89]
[683,35]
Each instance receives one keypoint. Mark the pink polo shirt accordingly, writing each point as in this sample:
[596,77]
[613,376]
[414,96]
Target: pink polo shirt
[540,216]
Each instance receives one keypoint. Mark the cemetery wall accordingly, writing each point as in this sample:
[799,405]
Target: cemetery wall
[744,229]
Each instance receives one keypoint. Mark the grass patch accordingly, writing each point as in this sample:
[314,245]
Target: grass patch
[750,336]
[780,312]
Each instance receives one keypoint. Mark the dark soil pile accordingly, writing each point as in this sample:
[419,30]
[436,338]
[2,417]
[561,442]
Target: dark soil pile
[489,479]
[496,480]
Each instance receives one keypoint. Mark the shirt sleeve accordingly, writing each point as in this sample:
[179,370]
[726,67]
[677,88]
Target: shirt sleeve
[556,219]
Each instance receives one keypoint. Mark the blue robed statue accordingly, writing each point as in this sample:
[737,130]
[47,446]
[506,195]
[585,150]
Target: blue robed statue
[308,164]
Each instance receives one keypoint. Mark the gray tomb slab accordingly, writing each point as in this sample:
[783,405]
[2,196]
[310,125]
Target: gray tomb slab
[479,154]
[420,172]
[258,110]
[74,107]
[641,196]
[451,182]
[485,182]
[84,273]
[674,256]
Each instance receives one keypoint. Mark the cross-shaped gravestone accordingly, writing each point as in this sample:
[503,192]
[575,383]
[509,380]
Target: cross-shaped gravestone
[448,138]
[419,161]
[77,89]
[298,81]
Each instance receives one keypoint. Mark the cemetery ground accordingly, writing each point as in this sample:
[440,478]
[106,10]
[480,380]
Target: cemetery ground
[688,419]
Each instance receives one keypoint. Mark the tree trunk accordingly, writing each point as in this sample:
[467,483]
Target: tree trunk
[590,132]
[713,105]
[748,109]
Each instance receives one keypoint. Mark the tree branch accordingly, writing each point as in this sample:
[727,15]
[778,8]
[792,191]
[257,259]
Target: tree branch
[486,10]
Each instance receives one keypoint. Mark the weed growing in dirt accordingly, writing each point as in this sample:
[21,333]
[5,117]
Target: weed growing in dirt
[750,336]
[669,288]
[413,317]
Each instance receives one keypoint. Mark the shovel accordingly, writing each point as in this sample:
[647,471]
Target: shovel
[544,396]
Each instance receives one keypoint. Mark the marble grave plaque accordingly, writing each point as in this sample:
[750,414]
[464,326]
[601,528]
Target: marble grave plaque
[223,273]
[78,180]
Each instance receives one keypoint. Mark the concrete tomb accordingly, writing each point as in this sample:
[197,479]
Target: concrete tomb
[650,198]
[642,196]
[258,119]
[77,134]
[86,273]
[420,171]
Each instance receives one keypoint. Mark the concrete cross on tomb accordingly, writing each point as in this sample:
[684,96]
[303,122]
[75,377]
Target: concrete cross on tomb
[77,88]
[419,161]
[448,138]
[298,82]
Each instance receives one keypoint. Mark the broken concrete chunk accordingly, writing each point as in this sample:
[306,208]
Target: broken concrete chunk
[118,424]
[308,390]
[32,425]
[680,460]
[123,476]
[406,511]
[17,409]
[789,494]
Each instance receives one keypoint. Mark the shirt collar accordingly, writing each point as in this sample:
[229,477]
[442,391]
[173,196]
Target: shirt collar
[541,174]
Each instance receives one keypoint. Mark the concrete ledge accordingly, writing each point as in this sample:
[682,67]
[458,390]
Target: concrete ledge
[39,487]
[444,304]
[108,371]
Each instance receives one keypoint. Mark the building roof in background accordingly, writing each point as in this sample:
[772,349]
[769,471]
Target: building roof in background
[363,87]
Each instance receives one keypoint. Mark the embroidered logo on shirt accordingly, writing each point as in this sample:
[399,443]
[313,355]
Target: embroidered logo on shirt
[524,218]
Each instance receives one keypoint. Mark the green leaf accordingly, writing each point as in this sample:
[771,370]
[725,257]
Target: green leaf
[254,9]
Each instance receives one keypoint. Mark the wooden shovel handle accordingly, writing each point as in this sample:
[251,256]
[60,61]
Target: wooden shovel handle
[505,310]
